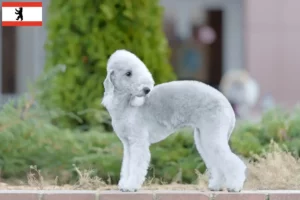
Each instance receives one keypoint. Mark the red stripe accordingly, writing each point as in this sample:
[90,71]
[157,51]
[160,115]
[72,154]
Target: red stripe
[22,4]
[22,23]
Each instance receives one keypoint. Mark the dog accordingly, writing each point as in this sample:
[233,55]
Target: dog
[143,114]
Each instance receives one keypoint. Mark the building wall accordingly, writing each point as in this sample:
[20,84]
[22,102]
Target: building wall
[272,42]
[1,52]
[30,41]
[30,55]
[188,11]
[270,50]
[30,52]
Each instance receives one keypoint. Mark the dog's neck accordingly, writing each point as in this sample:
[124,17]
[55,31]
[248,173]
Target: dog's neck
[115,102]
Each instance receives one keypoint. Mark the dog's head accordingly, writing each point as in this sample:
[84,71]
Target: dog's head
[127,74]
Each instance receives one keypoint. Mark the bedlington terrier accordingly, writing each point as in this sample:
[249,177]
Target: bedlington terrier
[143,114]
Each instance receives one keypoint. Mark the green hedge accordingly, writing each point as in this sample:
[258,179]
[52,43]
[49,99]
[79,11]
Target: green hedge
[82,34]
[277,124]
[27,137]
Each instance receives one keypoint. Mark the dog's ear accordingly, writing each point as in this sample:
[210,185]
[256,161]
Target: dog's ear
[108,82]
[108,87]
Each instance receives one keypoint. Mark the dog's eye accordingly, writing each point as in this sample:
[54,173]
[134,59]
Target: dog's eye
[128,74]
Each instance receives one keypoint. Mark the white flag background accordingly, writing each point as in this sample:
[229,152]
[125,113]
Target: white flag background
[29,13]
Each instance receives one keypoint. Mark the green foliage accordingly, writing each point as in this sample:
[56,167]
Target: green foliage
[176,154]
[82,34]
[28,137]
[278,125]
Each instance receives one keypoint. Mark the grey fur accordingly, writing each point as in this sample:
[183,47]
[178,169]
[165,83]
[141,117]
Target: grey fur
[141,119]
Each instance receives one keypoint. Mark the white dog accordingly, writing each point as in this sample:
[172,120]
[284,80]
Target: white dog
[143,114]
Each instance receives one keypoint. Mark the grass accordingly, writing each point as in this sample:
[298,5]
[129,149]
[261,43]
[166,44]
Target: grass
[274,169]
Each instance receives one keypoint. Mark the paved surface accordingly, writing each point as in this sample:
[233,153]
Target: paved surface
[147,195]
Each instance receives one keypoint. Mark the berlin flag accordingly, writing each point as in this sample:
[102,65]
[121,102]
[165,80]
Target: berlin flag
[22,13]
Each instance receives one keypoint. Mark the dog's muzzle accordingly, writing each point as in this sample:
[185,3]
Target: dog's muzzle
[146,90]
[143,91]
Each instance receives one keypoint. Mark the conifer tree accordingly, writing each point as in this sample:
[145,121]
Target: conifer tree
[82,34]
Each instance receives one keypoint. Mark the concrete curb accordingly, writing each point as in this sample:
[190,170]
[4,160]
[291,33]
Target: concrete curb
[147,195]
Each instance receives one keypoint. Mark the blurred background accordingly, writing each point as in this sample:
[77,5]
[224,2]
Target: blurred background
[207,38]
[248,49]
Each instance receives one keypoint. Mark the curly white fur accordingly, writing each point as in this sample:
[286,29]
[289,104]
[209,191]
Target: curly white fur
[141,119]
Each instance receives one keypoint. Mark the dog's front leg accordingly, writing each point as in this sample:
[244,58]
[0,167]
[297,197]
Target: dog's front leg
[138,164]
[125,164]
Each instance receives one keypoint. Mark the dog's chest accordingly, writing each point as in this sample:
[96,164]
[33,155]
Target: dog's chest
[126,123]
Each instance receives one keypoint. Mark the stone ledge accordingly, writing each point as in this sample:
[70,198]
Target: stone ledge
[147,195]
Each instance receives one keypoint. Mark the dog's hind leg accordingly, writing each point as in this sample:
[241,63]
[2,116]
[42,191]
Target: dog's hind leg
[216,178]
[216,147]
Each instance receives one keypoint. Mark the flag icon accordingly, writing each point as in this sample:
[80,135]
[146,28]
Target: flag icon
[22,13]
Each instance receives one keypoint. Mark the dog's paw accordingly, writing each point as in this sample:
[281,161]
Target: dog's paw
[234,189]
[236,184]
[218,189]
[121,183]
[215,188]
[128,190]
[126,186]
[215,182]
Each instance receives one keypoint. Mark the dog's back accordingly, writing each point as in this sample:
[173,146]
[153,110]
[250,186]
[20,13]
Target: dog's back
[187,93]
[186,103]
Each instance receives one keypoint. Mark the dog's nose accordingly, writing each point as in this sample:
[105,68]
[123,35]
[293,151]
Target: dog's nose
[146,90]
